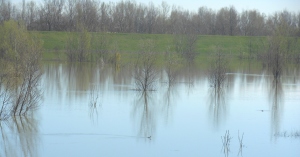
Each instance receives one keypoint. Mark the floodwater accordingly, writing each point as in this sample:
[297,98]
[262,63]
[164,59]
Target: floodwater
[91,110]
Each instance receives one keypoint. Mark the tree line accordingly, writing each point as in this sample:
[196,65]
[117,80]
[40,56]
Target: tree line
[131,17]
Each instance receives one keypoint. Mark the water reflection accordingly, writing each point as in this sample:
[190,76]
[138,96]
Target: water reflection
[94,103]
[19,137]
[169,98]
[124,113]
[144,111]
[217,105]
[275,96]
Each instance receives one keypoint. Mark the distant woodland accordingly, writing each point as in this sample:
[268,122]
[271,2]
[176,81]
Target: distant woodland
[132,17]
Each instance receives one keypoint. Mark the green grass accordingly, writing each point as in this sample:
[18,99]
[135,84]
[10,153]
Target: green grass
[130,42]
[125,43]
[54,40]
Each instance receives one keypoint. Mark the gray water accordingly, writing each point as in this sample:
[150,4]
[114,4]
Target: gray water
[91,110]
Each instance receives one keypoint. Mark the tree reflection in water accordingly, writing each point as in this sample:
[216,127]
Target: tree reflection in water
[19,136]
[169,97]
[94,103]
[275,96]
[144,108]
[217,105]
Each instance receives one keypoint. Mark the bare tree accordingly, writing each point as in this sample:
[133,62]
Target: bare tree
[252,23]
[129,16]
[5,98]
[161,23]
[185,45]
[119,17]
[87,14]
[71,47]
[206,21]
[172,66]
[22,54]
[278,49]
[28,94]
[84,42]
[145,74]
[151,17]
[275,58]
[223,21]
[78,45]
[217,73]
[101,45]
[70,11]
[53,13]
[130,9]
[105,19]
[5,10]
[233,20]
[31,15]
[140,21]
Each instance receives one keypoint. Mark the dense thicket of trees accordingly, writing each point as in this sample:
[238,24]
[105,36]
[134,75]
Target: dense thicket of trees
[129,16]
[20,56]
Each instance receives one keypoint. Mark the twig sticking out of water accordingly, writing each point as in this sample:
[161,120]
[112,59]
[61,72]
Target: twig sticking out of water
[94,97]
[226,142]
[241,143]
[94,102]
[295,134]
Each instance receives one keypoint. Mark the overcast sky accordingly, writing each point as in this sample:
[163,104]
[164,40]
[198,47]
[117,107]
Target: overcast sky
[264,6]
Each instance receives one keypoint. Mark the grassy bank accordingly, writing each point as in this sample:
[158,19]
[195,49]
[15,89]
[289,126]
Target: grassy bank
[55,42]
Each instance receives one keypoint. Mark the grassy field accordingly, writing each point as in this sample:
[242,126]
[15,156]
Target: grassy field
[126,43]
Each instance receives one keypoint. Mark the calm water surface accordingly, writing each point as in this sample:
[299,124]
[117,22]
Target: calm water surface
[187,119]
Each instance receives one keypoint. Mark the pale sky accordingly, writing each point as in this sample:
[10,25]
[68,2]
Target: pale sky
[264,6]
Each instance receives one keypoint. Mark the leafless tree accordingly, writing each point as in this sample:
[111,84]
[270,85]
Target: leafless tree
[140,21]
[28,94]
[119,17]
[233,20]
[217,73]
[71,48]
[161,23]
[87,14]
[5,98]
[101,44]
[70,11]
[173,63]
[151,17]
[5,10]
[22,55]
[278,49]
[206,21]
[129,16]
[252,23]
[223,21]
[185,43]
[78,45]
[31,13]
[145,74]
[276,58]
[53,13]
[130,9]
[104,17]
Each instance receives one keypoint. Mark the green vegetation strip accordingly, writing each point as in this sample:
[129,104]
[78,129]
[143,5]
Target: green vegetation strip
[126,43]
